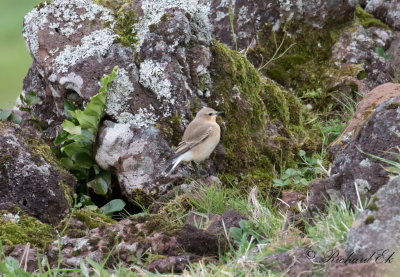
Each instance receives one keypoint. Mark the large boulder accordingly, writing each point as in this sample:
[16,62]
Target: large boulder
[354,173]
[376,230]
[31,177]
[168,68]
[250,17]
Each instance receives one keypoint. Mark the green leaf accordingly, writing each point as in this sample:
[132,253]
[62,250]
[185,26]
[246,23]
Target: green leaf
[113,206]
[83,160]
[67,162]
[31,98]
[236,233]
[84,269]
[76,147]
[71,128]
[87,121]
[302,153]
[4,115]
[15,118]
[68,106]
[99,185]
[379,51]
[61,138]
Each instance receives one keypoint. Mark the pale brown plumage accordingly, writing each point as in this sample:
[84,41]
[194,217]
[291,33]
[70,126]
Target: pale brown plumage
[199,139]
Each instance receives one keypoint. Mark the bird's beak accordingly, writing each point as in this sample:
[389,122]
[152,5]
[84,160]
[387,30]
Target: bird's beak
[220,112]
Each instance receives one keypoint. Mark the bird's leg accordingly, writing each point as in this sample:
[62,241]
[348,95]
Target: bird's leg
[196,168]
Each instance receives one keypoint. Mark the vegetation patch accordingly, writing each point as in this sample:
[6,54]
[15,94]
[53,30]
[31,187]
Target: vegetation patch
[251,105]
[18,228]
[367,20]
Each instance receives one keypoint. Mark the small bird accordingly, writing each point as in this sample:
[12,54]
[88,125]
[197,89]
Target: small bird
[199,139]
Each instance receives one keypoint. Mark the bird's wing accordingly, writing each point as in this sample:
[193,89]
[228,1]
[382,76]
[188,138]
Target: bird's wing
[193,136]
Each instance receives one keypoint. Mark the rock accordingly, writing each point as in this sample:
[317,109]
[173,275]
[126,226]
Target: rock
[250,17]
[200,242]
[168,68]
[364,110]
[362,269]
[356,46]
[294,262]
[174,264]
[31,177]
[376,228]
[291,198]
[353,167]
[138,157]
[387,11]
[229,219]
[26,256]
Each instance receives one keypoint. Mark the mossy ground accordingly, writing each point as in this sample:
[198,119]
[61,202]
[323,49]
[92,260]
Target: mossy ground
[26,229]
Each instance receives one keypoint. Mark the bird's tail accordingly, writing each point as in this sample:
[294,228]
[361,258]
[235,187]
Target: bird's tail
[174,163]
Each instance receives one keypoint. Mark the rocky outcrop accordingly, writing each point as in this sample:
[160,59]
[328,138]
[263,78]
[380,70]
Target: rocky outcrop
[353,170]
[249,18]
[388,11]
[168,68]
[364,110]
[376,229]
[31,177]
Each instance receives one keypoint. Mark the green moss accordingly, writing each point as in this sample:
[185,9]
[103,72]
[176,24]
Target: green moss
[142,198]
[362,75]
[153,27]
[41,150]
[372,206]
[392,106]
[367,20]
[165,17]
[90,219]
[369,220]
[171,128]
[306,64]
[27,229]
[156,223]
[250,104]
[124,28]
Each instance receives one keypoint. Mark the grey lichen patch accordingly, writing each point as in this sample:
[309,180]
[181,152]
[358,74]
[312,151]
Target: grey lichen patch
[96,43]
[67,21]
[152,76]
[154,10]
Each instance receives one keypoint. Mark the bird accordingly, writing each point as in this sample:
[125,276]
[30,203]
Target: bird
[199,140]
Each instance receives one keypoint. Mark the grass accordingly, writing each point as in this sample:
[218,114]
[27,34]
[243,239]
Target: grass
[14,57]
[244,256]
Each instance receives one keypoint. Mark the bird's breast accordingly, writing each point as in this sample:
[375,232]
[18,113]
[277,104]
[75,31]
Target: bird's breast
[204,150]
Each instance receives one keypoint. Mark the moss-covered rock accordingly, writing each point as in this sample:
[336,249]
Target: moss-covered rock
[263,122]
[303,59]
[31,176]
[16,227]
[368,20]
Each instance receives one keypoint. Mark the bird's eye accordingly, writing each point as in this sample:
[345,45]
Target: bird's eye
[210,114]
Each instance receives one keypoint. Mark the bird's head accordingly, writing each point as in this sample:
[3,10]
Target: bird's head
[207,114]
